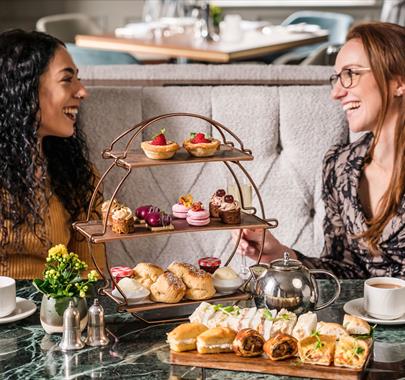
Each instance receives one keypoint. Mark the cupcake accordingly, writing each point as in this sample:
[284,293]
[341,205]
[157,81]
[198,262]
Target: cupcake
[181,208]
[197,215]
[104,208]
[215,202]
[229,211]
[159,148]
[199,145]
[123,221]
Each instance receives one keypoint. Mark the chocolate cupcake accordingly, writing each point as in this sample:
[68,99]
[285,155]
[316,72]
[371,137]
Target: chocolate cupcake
[229,210]
[215,202]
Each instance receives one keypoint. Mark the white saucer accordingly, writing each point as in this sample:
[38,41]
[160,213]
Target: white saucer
[355,307]
[24,308]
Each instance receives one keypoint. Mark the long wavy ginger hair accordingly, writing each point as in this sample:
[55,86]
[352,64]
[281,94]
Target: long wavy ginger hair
[24,169]
[384,44]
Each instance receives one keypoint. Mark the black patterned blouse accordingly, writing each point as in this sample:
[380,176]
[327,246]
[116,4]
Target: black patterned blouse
[343,254]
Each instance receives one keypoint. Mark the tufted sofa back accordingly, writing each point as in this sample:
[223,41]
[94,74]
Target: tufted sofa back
[284,115]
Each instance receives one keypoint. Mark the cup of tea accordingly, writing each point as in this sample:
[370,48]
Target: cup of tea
[384,297]
[7,296]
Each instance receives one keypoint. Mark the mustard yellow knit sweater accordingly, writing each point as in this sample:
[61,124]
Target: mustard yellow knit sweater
[24,255]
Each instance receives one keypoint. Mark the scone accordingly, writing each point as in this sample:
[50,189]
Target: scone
[147,273]
[200,146]
[123,221]
[200,285]
[168,288]
[104,208]
[184,336]
[159,148]
[229,211]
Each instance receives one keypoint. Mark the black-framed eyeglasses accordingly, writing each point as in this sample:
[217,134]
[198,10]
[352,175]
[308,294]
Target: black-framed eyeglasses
[346,76]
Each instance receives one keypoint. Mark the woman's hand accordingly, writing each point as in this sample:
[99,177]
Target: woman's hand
[251,240]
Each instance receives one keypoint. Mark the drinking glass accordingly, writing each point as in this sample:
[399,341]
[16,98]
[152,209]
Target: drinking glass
[151,10]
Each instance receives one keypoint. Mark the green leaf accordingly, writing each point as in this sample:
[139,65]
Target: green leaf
[267,314]
[358,350]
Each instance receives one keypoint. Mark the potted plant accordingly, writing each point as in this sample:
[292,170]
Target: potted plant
[63,282]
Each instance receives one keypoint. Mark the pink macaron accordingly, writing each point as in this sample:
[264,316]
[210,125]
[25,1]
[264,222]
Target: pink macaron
[198,218]
[180,211]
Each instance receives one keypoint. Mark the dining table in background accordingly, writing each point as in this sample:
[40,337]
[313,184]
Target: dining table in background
[253,44]
[139,351]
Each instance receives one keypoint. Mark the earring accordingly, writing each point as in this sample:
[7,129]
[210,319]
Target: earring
[399,93]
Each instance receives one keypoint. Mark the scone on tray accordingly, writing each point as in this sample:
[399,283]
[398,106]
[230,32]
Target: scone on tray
[159,148]
[184,336]
[147,273]
[168,288]
[199,145]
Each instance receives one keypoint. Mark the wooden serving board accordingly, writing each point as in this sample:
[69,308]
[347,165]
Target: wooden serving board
[291,367]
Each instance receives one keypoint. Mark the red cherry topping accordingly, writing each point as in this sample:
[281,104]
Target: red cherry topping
[228,198]
[220,193]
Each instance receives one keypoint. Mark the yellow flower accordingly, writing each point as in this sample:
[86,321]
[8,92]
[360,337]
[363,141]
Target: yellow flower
[57,250]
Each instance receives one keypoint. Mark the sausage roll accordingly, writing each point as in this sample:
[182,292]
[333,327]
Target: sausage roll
[351,352]
[317,349]
[248,342]
[281,346]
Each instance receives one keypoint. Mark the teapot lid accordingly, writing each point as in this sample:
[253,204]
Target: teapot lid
[286,264]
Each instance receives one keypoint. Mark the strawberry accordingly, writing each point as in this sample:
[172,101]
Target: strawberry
[199,138]
[159,139]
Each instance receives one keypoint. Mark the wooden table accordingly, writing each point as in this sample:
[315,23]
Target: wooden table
[254,44]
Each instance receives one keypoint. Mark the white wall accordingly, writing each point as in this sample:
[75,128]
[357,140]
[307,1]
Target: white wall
[112,13]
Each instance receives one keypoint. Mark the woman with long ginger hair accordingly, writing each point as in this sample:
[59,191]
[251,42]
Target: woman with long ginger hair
[46,180]
[363,182]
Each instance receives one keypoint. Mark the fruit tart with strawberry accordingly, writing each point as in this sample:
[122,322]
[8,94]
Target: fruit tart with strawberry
[159,148]
[199,145]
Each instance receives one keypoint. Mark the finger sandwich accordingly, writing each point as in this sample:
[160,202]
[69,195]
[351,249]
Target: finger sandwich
[216,340]
[184,336]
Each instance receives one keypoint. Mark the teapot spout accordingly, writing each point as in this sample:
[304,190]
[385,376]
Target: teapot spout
[258,269]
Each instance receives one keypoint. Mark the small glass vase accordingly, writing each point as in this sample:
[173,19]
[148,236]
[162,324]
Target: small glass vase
[52,309]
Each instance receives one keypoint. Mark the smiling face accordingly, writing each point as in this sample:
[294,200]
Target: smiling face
[60,94]
[362,101]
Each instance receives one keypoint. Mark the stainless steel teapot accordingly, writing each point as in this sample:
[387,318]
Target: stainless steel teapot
[287,283]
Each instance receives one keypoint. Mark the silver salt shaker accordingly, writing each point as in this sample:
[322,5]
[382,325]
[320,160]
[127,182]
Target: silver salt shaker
[71,338]
[96,335]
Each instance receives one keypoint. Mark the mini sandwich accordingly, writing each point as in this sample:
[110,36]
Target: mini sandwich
[184,336]
[351,352]
[216,340]
[317,349]
[305,326]
[331,328]
[283,323]
[355,325]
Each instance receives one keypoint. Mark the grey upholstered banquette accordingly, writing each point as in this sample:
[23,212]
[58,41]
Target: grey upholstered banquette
[282,113]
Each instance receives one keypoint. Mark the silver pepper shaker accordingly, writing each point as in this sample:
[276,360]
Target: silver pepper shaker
[71,338]
[96,335]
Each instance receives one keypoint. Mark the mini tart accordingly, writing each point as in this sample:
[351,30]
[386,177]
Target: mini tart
[159,152]
[202,149]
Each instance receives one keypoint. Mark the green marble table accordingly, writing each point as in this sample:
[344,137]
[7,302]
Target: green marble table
[140,352]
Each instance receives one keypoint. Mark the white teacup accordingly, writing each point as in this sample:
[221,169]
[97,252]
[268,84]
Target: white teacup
[230,28]
[7,296]
[384,297]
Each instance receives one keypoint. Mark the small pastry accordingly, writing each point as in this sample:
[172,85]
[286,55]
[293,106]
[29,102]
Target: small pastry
[281,346]
[184,336]
[229,211]
[356,326]
[197,215]
[159,221]
[351,352]
[181,208]
[209,264]
[317,349]
[199,283]
[168,288]
[104,208]
[306,325]
[216,340]
[331,328]
[147,273]
[215,202]
[199,145]
[248,343]
[142,211]
[159,148]
[123,221]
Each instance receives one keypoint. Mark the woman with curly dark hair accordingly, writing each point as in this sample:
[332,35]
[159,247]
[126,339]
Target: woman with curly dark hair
[46,179]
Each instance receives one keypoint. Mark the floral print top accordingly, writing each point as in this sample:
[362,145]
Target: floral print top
[343,254]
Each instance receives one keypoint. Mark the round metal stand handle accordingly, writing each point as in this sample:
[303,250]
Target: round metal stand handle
[337,291]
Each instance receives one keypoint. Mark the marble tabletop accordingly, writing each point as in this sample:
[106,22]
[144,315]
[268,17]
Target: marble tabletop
[139,351]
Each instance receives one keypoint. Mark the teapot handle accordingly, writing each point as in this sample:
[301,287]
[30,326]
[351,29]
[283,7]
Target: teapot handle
[337,291]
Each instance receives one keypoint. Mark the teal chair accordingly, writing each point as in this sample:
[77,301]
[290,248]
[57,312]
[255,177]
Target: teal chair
[91,57]
[337,24]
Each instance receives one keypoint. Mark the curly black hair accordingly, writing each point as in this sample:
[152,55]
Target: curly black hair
[24,170]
